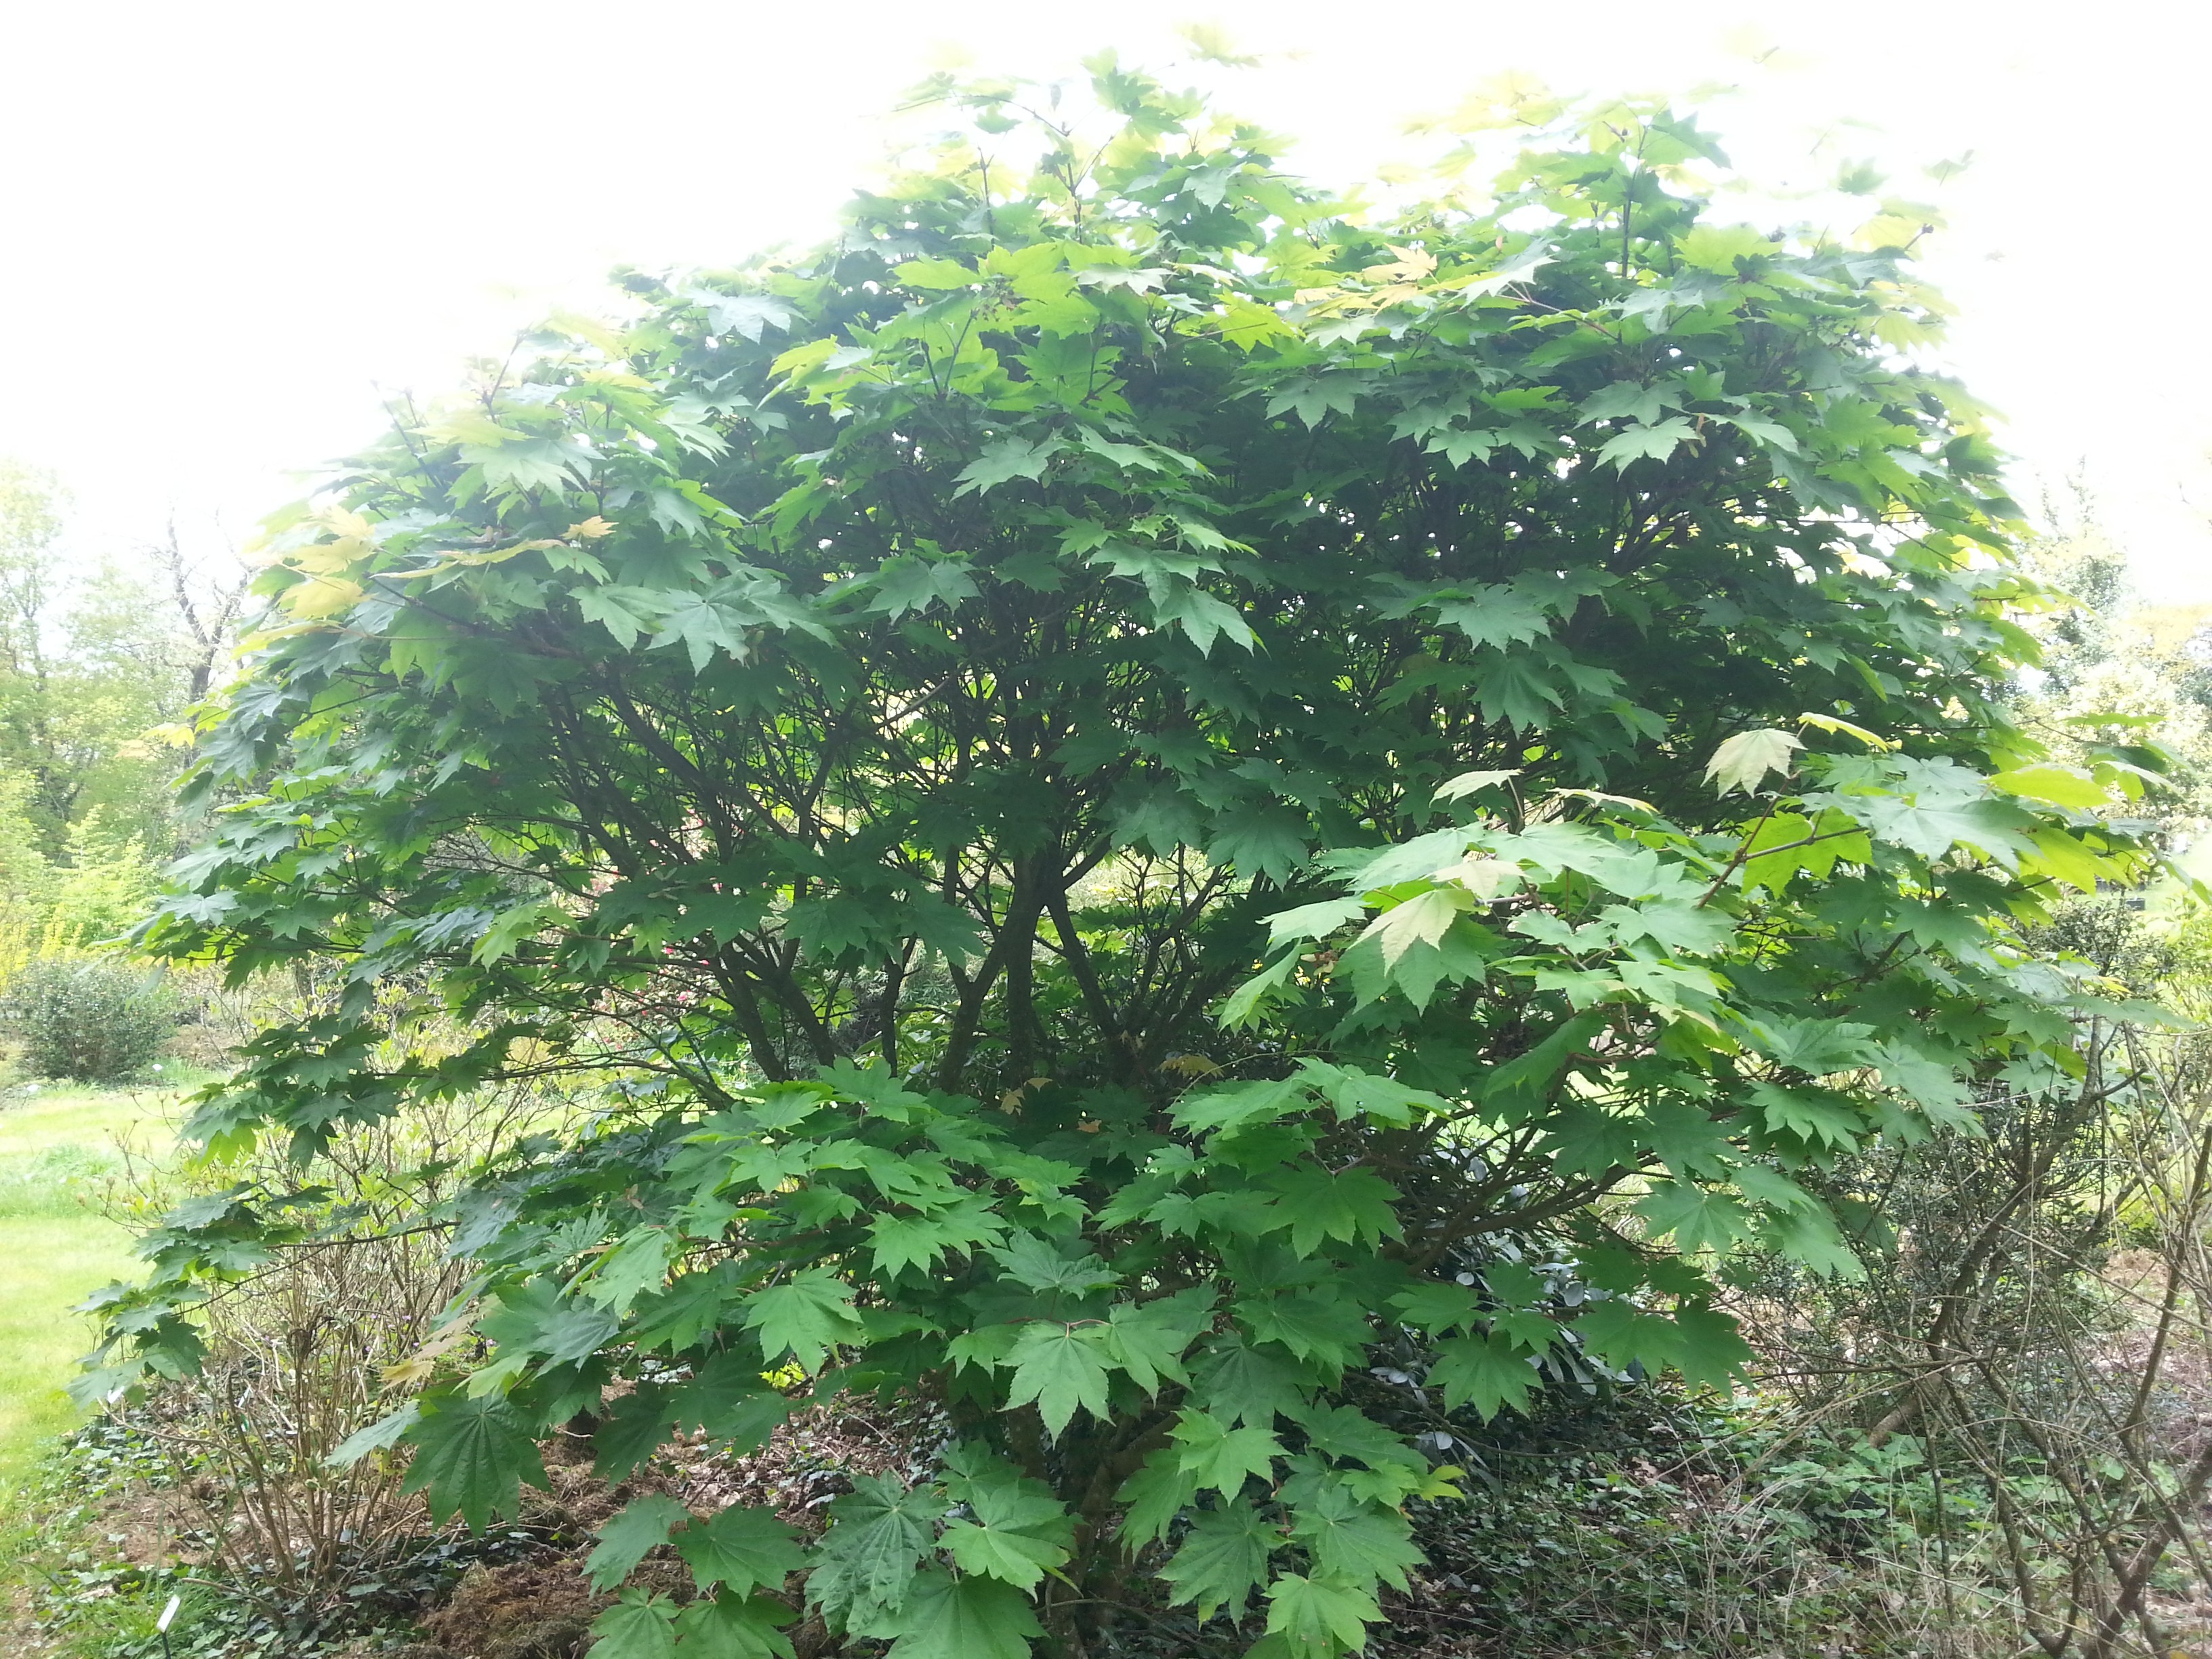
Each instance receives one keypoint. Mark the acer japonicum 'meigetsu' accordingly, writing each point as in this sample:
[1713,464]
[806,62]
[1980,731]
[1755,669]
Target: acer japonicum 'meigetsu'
[1133,783]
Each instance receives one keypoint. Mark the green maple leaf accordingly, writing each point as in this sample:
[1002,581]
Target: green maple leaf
[1320,1616]
[633,1426]
[703,624]
[1514,689]
[971,1618]
[629,1536]
[637,1264]
[865,1561]
[1809,1235]
[1346,1431]
[382,1435]
[938,275]
[1262,841]
[1223,1560]
[1620,1333]
[527,462]
[804,1317]
[1220,1458]
[1019,1531]
[909,583]
[1348,1205]
[1489,1373]
[1312,398]
[728,1627]
[1460,445]
[1767,432]
[1155,1495]
[1039,1265]
[1586,1139]
[1358,1543]
[624,612]
[1235,1105]
[1653,442]
[1202,617]
[1312,1324]
[638,1626]
[1438,1307]
[676,1317]
[1008,459]
[1495,615]
[1698,1218]
[1148,1340]
[898,1241]
[1062,1368]
[472,1457]
[740,1548]
[1239,1384]
[1742,760]
[1631,400]
[1711,1349]
[744,314]
[2059,785]
[1816,1117]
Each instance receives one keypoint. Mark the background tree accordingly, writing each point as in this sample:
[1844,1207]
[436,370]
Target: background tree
[1135,783]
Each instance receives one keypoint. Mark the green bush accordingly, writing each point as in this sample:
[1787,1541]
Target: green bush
[92,1021]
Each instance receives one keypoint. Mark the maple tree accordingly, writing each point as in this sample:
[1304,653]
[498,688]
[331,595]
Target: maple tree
[1131,781]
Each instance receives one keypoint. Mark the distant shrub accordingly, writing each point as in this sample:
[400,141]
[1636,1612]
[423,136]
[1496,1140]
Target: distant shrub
[89,1020]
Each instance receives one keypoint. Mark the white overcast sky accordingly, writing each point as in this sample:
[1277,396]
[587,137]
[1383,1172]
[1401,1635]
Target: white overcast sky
[228,224]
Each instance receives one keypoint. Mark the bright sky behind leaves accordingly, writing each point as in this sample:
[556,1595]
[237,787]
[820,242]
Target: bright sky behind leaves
[232,224]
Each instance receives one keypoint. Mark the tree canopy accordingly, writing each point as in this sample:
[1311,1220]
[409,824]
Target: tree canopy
[1132,780]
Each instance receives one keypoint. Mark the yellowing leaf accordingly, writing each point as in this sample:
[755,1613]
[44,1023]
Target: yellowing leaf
[1411,265]
[589,529]
[320,596]
[1717,247]
[2059,785]
[1422,920]
[1845,728]
[1748,757]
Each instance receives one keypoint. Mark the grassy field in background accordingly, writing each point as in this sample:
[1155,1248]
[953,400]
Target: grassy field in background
[57,1143]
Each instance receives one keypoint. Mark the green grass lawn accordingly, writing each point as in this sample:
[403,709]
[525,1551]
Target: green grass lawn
[58,1142]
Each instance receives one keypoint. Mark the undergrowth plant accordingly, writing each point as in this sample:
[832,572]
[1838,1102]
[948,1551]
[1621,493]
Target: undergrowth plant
[1118,772]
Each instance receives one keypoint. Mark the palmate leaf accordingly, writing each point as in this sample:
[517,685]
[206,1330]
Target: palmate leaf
[726,1627]
[632,1428]
[1698,1220]
[1019,1531]
[1238,1383]
[1653,442]
[1354,1543]
[1223,1560]
[1005,460]
[909,583]
[1322,1325]
[865,1561]
[640,1625]
[741,1549]
[804,1317]
[624,612]
[1349,1205]
[1149,1339]
[631,1534]
[971,1618]
[1742,760]
[1062,1369]
[1489,1373]
[471,1456]
[1321,1617]
[1219,1458]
